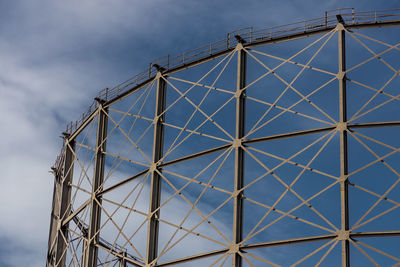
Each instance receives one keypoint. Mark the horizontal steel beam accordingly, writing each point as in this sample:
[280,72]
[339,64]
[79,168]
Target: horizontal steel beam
[288,135]
[194,257]
[195,155]
[374,124]
[374,234]
[118,254]
[122,182]
[289,241]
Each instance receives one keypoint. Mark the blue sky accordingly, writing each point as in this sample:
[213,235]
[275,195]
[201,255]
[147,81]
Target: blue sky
[55,57]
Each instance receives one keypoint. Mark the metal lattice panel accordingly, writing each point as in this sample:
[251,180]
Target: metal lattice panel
[276,150]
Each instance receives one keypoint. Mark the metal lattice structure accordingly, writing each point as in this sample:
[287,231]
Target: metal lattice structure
[273,147]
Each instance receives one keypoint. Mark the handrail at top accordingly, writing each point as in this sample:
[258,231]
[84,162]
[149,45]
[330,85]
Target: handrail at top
[168,62]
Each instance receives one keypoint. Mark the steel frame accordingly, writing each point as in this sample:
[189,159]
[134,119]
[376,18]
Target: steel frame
[158,144]
[342,125]
[239,156]
[60,236]
[93,236]
[61,200]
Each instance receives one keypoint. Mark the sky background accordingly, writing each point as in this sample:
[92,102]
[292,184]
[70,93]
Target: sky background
[56,55]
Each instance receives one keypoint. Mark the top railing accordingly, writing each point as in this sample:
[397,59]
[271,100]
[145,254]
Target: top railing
[168,62]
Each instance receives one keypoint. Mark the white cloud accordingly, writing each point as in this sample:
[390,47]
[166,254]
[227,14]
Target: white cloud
[55,55]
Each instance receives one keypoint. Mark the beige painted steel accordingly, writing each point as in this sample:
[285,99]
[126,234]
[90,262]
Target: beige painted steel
[155,195]
[239,157]
[342,128]
[61,207]
[95,212]
[237,248]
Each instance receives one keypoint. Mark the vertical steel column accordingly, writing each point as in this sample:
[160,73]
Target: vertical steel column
[95,213]
[61,206]
[342,128]
[122,261]
[53,220]
[239,157]
[155,194]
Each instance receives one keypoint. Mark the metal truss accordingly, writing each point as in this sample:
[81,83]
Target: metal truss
[244,157]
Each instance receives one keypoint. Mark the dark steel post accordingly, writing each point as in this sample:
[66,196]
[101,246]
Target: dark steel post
[95,213]
[61,207]
[53,220]
[239,157]
[122,261]
[158,143]
[342,128]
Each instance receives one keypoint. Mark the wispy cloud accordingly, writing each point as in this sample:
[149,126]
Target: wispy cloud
[55,56]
